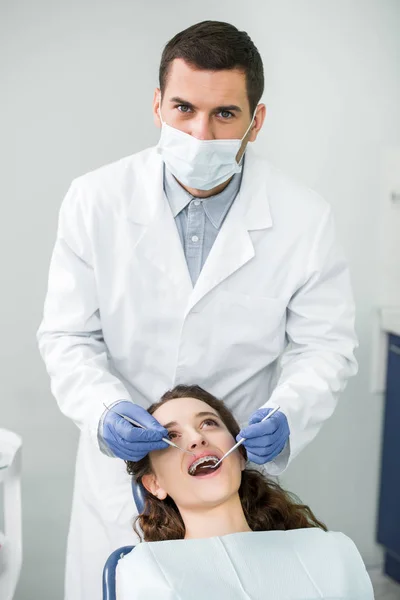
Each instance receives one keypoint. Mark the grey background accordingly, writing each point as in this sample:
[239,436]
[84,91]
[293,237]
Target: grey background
[77,81]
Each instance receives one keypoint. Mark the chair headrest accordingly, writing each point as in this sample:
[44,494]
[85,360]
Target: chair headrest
[139,495]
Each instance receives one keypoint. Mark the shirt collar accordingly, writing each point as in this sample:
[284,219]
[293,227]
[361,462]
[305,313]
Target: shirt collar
[216,207]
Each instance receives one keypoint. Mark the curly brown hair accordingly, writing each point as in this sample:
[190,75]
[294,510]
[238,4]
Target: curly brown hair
[266,505]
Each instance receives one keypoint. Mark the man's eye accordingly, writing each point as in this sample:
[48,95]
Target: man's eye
[226,114]
[183,108]
[172,435]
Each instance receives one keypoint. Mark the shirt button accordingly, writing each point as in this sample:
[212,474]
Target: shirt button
[197,203]
[195,238]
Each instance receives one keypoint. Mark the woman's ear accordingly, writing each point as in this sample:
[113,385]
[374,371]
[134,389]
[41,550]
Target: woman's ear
[150,483]
[242,458]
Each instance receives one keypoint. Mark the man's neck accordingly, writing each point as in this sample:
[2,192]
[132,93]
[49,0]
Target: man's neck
[220,520]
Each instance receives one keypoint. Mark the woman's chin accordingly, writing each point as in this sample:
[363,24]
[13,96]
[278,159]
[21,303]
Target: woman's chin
[215,488]
[208,499]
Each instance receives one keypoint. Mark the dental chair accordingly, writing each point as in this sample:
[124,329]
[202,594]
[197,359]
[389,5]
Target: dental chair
[303,564]
[110,568]
[11,539]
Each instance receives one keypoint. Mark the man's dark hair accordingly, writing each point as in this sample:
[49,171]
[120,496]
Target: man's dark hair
[216,46]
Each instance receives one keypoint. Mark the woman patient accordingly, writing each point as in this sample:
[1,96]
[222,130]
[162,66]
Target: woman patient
[218,512]
[193,501]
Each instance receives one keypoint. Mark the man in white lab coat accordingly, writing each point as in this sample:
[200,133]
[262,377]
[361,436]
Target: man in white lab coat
[193,262]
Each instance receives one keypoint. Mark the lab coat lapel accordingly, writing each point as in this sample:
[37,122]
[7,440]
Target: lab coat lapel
[159,243]
[233,246]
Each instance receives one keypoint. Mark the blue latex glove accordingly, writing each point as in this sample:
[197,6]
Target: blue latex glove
[127,441]
[264,441]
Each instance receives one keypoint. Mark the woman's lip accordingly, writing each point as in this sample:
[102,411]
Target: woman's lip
[203,454]
[209,453]
[213,473]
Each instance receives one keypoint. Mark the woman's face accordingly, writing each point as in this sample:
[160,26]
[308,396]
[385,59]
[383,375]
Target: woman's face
[195,426]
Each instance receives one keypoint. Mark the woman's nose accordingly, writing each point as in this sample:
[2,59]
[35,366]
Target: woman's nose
[198,442]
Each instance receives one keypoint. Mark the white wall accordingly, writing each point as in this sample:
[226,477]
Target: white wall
[77,80]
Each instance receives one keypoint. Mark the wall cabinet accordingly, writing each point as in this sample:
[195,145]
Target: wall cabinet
[389,501]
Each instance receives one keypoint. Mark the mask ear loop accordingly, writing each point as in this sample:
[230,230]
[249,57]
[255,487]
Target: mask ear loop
[244,142]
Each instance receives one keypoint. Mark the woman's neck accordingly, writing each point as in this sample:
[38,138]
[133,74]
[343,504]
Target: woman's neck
[215,521]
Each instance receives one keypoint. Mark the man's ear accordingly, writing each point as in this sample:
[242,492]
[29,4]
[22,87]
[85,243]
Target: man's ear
[157,107]
[258,122]
[151,484]
[253,132]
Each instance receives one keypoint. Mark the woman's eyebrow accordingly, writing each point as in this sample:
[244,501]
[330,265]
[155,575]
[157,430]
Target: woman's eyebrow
[200,414]
[207,412]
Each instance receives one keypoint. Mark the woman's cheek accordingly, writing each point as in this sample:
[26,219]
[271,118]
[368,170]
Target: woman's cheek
[169,472]
[227,442]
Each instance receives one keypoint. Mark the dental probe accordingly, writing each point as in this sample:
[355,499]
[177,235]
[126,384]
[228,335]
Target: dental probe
[133,422]
[240,441]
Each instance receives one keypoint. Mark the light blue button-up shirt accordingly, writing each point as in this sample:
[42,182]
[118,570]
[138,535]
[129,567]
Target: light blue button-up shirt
[198,221]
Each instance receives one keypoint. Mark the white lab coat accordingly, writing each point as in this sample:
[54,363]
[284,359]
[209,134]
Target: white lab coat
[122,320]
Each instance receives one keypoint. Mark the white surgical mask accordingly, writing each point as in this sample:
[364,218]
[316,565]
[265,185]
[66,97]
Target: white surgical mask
[199,164]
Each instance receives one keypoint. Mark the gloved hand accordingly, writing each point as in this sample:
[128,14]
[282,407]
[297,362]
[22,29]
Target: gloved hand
[264,441]
[127,441]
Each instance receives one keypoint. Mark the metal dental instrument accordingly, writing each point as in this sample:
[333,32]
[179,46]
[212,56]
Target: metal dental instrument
[240,442]
[137,424]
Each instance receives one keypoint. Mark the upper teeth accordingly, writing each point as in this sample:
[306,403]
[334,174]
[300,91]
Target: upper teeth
[202,460]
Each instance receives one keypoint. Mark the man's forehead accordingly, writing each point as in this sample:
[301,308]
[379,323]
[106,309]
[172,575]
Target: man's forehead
[206,88]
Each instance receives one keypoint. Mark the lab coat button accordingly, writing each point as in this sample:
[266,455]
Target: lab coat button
[195,238]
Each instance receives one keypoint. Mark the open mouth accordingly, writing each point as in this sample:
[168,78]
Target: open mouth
[204,466]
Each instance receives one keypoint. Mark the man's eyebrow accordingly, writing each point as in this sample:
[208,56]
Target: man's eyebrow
[200,414]
[178,100]
[228,107]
